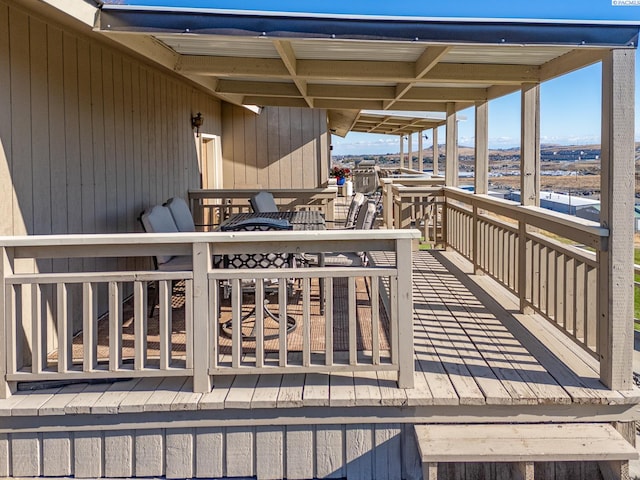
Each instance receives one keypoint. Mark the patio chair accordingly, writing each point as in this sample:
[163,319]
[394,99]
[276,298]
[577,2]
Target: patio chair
[263,202]
[354,208]
[181,214]
[259,260]
[158,219]
[365,221]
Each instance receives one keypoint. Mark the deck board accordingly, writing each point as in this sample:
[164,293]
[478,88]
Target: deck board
[472,349]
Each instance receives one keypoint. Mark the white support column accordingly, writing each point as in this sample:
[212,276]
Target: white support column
[410,151]
[529,183]
[436,151]
[451,148]
[420,147]
[615,272]
[401,151]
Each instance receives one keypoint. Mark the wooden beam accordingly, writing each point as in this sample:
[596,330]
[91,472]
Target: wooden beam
[529,184]
[451,148]
[217,66]
[429,59]
[410,150]
[288,56]
[481,167]
[569,62]
[615,273]
[360,92]
[436,151]
[263,89]
[274,101]
[404,71]
[530,145]
[420,148]
[348,104]
[446,94]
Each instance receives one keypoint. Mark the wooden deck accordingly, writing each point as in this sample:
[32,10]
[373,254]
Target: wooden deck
[471,351]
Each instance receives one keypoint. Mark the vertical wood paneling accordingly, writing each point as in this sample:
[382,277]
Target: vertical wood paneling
[25,455]
[56,454]
[359,451]
[330,451]
[179,453]
[40,127]
[6,185]
[240,458]
[149,453]
[276,149]
[4,453]
[209,453]
[300,452]
[118,454]
[20,122]
[87,448]
[270,453]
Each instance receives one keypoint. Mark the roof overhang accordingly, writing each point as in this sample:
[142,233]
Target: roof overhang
[346,64]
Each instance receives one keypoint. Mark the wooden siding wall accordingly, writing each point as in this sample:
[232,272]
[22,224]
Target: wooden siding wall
[89,136]
[361,451]
[280,148]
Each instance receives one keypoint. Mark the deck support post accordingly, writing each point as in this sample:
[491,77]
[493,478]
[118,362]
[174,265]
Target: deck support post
[387,203]
[436,151]
[404,313]
[529,182]
[6,269]
[481,171]
[401,151]
[420,153]
[200,321]
[451,147]
[410,151]
[615,272]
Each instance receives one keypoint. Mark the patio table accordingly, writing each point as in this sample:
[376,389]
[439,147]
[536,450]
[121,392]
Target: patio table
[299,219]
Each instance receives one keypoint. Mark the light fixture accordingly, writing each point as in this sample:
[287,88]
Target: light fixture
[197,121]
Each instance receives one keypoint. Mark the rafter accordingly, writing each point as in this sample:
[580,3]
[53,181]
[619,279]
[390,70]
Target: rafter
[569,62]
[360,70]
[429,59]
[288,56]
[266,89]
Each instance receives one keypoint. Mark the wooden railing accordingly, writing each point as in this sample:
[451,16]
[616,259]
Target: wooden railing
[406,201]
[515,246]
[212,207]
[43,311]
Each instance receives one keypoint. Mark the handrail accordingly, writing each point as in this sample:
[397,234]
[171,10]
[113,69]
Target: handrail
[202,279]
[211,206]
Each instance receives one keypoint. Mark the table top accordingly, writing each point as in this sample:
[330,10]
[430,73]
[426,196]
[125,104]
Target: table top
[299,219]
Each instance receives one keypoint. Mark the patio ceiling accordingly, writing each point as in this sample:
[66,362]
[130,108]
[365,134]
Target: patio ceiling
[347,75]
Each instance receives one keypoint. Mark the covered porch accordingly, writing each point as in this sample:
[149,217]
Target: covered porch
[501,324]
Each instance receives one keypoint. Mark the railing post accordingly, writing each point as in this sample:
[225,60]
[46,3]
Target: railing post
[6,270]
[201,322]
[615,269]
[524,267]
[330,208]
[387,202]
[405,313]
[475,241]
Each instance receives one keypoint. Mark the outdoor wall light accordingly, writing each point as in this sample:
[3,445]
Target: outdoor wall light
[197,121]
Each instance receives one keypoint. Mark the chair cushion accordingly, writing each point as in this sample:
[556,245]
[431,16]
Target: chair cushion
[342,259]
[263,202]
[158,219]
[177,263]
[181,214]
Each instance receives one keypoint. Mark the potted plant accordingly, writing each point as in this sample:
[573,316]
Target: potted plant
[340,174]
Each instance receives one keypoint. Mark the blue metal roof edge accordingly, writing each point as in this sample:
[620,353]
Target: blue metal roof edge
[273,24]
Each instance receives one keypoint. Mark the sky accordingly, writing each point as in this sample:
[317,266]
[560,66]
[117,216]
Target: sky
[569,115]
[570,105]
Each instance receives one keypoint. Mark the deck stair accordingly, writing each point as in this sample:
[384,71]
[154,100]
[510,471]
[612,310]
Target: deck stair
[523,445]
